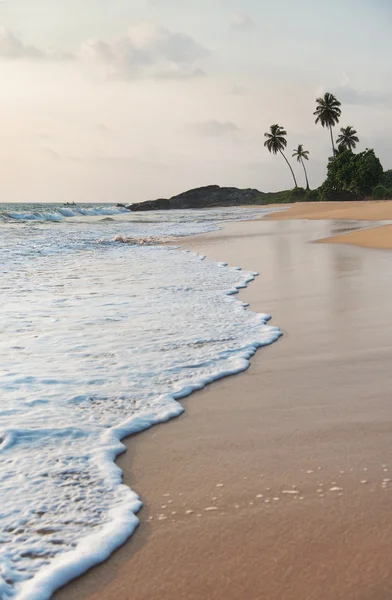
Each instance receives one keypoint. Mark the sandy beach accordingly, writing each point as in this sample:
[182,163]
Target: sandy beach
[370,210]
[277,483]
[373,237]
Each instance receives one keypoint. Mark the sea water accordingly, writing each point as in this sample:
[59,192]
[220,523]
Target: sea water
[99,340]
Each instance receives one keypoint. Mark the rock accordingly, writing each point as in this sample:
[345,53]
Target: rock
[204,197]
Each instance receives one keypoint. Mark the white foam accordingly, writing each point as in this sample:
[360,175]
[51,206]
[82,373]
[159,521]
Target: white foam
[103,340]
[59,213]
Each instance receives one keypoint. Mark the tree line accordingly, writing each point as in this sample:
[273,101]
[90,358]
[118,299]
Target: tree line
[349,175]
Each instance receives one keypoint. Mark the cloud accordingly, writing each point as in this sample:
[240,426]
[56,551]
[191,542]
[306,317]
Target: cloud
[101,128]
[238,90]
[50,153]
[215,128]
[147,51]
[240,21]
[350,95]
[12,48]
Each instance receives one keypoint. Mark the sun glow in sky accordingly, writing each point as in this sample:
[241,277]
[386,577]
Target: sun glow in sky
[126,100]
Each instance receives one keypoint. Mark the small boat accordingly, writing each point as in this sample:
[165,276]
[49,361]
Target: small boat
[70,204]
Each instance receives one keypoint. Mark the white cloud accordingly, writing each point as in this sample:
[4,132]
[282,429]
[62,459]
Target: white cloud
[12,47]
[147,51]
[350,95]
[215,128]
[241,21]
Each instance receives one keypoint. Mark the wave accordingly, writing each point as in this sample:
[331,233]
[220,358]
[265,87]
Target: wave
[139,241]
[62,212]
[135,331]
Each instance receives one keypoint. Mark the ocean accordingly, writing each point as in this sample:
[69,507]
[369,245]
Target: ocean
[105,325]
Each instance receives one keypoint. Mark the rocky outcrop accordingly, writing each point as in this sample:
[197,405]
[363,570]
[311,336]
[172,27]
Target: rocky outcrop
[204,197]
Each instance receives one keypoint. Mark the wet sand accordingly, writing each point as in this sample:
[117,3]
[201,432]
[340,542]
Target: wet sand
[274,484]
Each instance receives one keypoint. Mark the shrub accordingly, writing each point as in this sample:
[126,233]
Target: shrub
[387,179]
[291,196]
[351,176]
[276,197]
[312,196]
[380,192]
[297,192]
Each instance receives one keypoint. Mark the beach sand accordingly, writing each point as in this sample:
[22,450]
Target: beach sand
[379,237]
[371,210]
[275,484]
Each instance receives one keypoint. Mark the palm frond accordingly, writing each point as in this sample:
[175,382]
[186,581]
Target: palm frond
[347,139]
[300,153]
[327,110]
[276,140]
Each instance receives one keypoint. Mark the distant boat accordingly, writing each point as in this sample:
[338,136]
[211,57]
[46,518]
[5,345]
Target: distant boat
[70,204]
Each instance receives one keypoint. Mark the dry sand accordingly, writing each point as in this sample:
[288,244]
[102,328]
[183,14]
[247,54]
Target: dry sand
[371,210]
[275,484]
[373,237]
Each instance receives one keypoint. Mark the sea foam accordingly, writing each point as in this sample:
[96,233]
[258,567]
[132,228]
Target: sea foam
[102,341]
[59,213]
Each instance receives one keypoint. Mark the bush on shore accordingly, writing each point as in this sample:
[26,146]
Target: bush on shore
[298,194]
[387,179]
[352,176]
[381,192]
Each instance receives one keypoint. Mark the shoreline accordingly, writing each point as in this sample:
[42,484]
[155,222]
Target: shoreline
[192,464]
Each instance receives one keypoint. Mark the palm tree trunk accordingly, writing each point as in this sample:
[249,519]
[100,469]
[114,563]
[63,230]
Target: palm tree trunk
[333,143]
[290,167]
[306,175]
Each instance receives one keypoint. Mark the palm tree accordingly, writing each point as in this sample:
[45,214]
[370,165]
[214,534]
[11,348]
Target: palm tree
[302,155]
[276,142]
[328,113]
[347,139]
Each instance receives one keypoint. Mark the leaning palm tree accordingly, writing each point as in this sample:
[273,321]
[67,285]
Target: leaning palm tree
[347,139]
[328,113]
[302,155]
[276,142]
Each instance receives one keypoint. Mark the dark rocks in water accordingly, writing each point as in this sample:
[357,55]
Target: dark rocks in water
[203,197]
[160,204]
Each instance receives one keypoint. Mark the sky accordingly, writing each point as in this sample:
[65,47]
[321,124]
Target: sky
[128,100]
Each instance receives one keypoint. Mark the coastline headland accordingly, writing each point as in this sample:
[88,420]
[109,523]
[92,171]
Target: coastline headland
[214,196]
[204,197]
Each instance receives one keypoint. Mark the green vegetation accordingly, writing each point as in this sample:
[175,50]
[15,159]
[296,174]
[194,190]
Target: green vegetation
[302,155]
[380,192]
[350,176]
[276,142]
[298,194]
[387,179]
